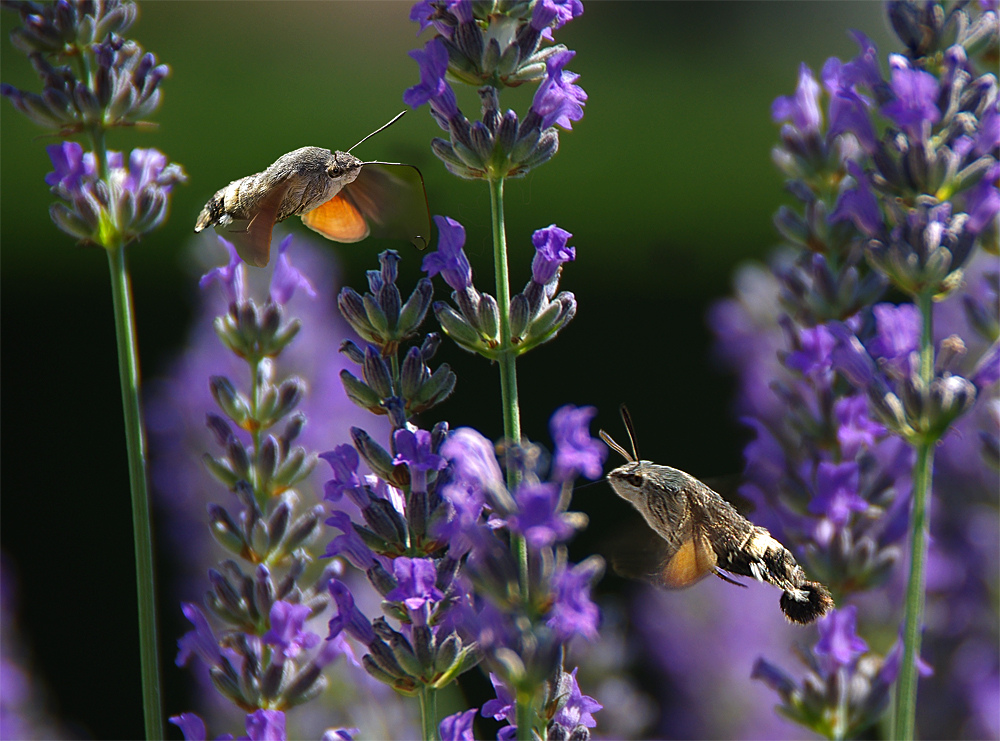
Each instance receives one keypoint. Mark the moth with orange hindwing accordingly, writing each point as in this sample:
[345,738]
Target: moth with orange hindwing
[700,533]
[336,194]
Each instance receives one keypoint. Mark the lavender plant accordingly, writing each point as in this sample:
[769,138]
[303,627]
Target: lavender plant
[263,658]
[94,80]
[871,392]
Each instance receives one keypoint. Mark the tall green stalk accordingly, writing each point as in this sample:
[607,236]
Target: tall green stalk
[511,412]
[906,689]
[428,713]
[128,370]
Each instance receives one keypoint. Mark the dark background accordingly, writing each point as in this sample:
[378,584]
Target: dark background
[666,184]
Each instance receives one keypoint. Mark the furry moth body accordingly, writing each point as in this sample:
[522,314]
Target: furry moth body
[704,534]
[337,195]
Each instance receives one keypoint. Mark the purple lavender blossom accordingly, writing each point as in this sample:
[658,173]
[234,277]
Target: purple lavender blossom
[231,276]
[897,334]
[344,461]
[348,617]
[550,252]
[983,199]
[838,642]
[416,578]
[579,707]
[558,100]
[414,449]
[501,708]
[836,494]
[288,633]
[287,279]
[802,109]
[349,544]
[538,518]
[573,612]
[858,204]
[265,725]
[201,641]
[575,450]
[474,458]
[191,726]
[458,727]
[449,259]
[433,87]
[914,108]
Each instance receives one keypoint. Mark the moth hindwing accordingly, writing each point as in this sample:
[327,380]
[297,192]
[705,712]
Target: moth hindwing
[700,533]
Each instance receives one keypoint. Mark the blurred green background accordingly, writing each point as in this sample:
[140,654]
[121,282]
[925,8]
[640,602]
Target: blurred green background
[666,184]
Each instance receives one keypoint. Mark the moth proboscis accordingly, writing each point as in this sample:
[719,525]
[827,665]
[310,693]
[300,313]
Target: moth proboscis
[335,193]
[703,534]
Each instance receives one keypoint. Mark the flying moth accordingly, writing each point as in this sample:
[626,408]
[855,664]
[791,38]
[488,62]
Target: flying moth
[700,534]
[336,194]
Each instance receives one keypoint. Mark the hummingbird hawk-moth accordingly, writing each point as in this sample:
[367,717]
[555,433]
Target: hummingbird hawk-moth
[335,193]
[700,533]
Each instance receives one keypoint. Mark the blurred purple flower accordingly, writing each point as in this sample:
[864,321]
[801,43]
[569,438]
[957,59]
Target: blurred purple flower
[897,335]
[813,359]
[458,727]
[287,631]
[802,109]
[349,545]
[858,204]
[200,641]
[231,276]
[474,459]
[191,726]
[576,451]
[836,494]
[838,641]
[344,461]
[983,199]
[287,279]
[449,259]
[579,707]
[348,617]
[573,612]
[914,108]
[855,429]
[538,518]
[503,707]
[265,725]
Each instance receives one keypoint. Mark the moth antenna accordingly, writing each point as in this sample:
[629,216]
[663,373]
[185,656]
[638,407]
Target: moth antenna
[627,419]
[380,128]
[615,446]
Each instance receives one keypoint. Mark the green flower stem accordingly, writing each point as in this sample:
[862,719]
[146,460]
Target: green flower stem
[906,689]
[128,367]
[525,706]
[428,713]
[507,358]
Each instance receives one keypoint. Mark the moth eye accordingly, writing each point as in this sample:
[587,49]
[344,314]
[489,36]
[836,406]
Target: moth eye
[635,479]
[335,172]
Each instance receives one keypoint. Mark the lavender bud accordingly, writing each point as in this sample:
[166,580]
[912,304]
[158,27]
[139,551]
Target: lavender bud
[267,461]
[226,594]
[352,307]
[376,373]
[519,315]
[413,374]
[377,672]
[423,648]
[377,457]
[445,152]
[276,675]
[385,659]
[225,529]
[352,351]
[361,393]
[490,57]
[296,467]
[303,530]
[415,309]
[385,521]
[376,316]
[70,222]
[447,654]
[457,328]
[277,523]
[381,579]
[263,592]
[307,685]
[488,319]
[435,390]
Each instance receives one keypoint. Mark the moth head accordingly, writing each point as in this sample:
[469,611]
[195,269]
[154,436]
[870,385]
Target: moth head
[343,167]
[629,481]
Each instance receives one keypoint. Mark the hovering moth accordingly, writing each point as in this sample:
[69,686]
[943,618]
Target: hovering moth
[335,193]
[700,534]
